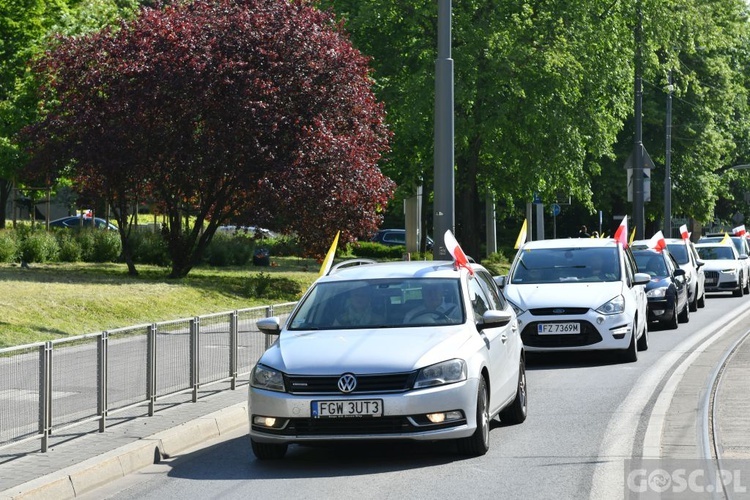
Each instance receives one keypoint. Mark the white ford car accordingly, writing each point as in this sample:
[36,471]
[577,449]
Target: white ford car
[381,351]
[578,294]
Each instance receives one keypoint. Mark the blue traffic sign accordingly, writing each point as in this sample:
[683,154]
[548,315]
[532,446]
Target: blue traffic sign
[555,209]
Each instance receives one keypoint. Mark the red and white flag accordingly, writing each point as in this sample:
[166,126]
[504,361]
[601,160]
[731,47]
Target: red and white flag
[621,234]
[657,242]
[684,232]
[459,257]
[739,230]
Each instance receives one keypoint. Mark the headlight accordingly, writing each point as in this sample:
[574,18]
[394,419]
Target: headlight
[517,309]
[267,378]
[447,372]
[657,292]
[729,271]
[614,306]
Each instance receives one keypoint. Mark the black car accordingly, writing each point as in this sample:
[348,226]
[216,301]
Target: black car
[395,237]
[74,221]
[667,292]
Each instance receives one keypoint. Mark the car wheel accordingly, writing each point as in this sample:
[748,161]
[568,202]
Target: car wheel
[478,443]
[516,412]
[746,290]
[268,451]
[671,323]
[643,341]
[694,303]
[702,300]
[630,354]
[738,292]
[684,316]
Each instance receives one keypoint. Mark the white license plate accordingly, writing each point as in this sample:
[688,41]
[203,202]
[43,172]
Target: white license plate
[349,408]
[710,282]
[558,328]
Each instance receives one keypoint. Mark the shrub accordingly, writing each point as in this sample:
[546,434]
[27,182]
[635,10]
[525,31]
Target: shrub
[497,263]
[229,250]
[378,251]
[149,248]
[266,286]
[8,246]
[39,246]
[107,246]
[70,248]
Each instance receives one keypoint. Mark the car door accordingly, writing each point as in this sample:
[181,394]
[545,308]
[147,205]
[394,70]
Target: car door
[503,343]
[638,292]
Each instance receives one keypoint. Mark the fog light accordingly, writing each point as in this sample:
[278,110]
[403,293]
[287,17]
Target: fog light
[439,418]
[264,421]
[436,418]
[599,320]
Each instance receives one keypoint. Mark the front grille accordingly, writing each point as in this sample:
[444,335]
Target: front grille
[712,275]
[589,335]
[366,384]
[306,427]
[554,311]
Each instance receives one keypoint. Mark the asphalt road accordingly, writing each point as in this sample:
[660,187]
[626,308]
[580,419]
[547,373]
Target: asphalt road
[588,414]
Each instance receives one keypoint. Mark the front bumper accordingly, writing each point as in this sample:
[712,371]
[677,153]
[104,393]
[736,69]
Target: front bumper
[403,415]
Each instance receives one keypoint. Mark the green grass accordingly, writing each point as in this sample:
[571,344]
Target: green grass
[53,301]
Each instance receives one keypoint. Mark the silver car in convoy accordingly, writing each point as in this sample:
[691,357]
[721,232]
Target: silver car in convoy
[686,256]
[578,294]
[381,351]
[724,268]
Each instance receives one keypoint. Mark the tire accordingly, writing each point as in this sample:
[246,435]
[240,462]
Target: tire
[515,413]
[630,355]
[746,290]
[738,292]
[671,323]
[702,300]
[268,451]
[693,304]
[684,316]
[643,341]
[478,443]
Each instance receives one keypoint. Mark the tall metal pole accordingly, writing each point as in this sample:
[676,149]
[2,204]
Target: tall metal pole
[638,198]
[444,216]
[668,164]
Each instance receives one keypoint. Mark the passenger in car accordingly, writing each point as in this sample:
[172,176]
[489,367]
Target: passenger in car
[358,310]
[433,307]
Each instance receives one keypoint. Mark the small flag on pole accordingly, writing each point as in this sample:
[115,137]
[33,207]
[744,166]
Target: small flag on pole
[455,250]
[621,234]
[684,232]
[726,240]
[328,261]
[739,231]
[521,236]
[657,242]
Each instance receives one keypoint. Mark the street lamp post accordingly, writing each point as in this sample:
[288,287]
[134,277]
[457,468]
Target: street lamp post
[668,164]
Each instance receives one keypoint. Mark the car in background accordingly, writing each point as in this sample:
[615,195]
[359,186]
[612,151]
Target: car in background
[76,222]
[724,268]
[336,374]
[667,292]
[578,294]
[683,251]
[395,237]
[743,248]
[260,232]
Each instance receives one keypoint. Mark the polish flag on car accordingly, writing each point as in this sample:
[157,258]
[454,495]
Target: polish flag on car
[739,230]
[657,242]
[621,234]
[459,257]
[684,232]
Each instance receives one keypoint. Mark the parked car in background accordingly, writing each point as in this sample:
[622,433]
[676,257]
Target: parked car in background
[394,237]
[667,292]
[743,248]
[724,268]
[260,232]
[418,350]
[76,222]
[578,294]
[684,253]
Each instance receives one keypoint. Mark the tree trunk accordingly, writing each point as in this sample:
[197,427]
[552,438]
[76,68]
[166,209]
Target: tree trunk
[6,188]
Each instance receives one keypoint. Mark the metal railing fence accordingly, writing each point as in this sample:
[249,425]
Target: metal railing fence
[63,383]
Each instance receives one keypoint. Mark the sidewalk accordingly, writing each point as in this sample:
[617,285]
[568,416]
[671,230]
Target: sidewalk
[81,459]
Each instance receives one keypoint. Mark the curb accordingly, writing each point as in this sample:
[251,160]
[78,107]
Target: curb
[98,471]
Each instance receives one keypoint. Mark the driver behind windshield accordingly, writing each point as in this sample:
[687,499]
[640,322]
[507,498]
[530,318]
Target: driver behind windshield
[433,307]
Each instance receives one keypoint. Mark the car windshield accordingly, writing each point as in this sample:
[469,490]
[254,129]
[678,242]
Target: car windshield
[380,303]
[738,243]
[651,263]
[679,251]
[716,253]
[561,265]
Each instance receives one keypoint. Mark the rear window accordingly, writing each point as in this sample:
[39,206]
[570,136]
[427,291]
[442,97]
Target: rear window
[566,265]
[716,253]
[679,251]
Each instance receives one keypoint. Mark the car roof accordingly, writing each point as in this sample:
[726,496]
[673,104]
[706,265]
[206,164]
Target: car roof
[396,269]
[571,242]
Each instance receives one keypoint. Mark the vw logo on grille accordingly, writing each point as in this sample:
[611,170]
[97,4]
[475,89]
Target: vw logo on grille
[347,382]
[558,311]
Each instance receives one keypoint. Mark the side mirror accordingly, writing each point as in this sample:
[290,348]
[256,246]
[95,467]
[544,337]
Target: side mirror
[699,264]
[641,279]
[679,272]
[500,281]
[269,326]
[494,319]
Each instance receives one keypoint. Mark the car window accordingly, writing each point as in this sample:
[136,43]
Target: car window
[630,266]
[716,253]
[380,303]
[680,252]
[479,301]
[566,265]
[497,301]
[398,238]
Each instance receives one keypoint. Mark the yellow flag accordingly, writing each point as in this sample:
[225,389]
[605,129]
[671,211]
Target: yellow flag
[328,261]
[521,236]
[726,239]
[632,237]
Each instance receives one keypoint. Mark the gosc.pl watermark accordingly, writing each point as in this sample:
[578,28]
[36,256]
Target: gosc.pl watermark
[686,479]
